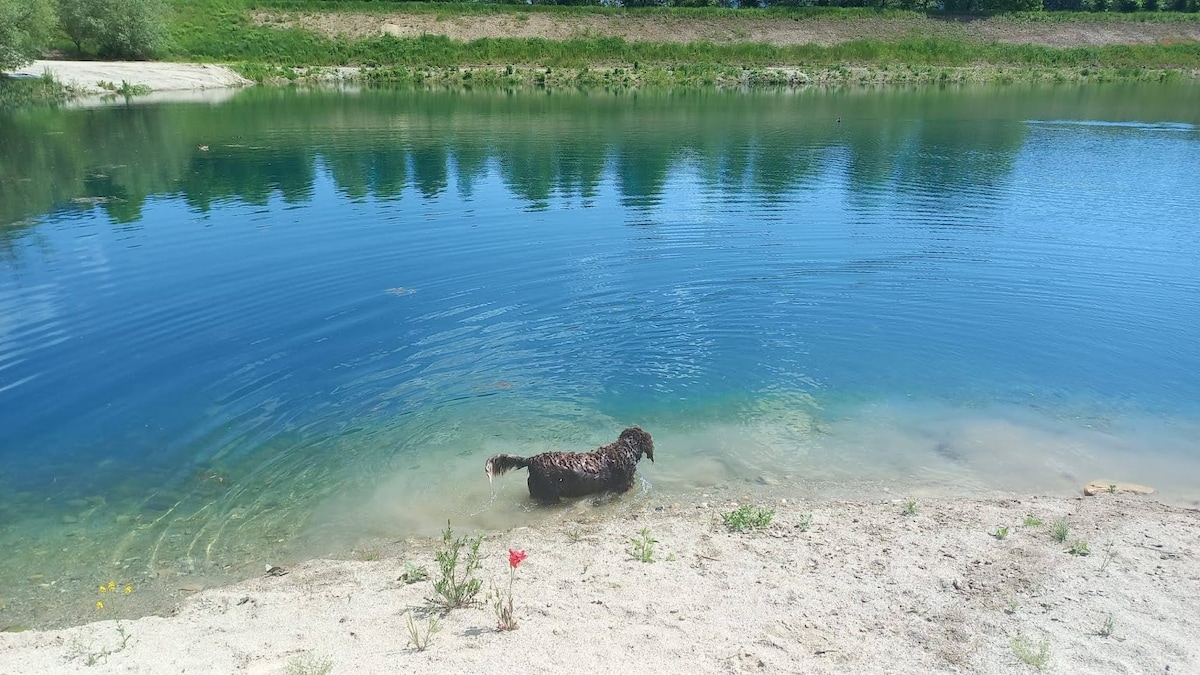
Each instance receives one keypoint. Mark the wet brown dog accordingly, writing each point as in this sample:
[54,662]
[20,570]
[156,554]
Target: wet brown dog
[553,475]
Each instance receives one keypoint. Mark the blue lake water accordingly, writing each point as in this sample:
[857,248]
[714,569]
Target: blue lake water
[291,322]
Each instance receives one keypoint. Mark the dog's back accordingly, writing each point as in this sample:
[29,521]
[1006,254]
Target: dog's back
[553,475]
[570,474]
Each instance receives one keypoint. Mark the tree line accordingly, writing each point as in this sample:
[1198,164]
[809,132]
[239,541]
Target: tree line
[123,29]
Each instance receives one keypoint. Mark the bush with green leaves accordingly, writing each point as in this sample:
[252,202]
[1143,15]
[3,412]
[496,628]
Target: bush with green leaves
[457,584]
[25,27]
[746,518]
[115,28]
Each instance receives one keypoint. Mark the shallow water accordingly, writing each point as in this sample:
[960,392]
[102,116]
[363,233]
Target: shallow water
[297,321]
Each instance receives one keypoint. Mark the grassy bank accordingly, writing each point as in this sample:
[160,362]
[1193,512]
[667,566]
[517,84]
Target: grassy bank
[228,31]
[295,47]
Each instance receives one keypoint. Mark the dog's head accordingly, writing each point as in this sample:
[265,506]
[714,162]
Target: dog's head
[639,441]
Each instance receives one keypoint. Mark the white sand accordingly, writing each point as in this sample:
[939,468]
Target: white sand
[86,75]
[867,589]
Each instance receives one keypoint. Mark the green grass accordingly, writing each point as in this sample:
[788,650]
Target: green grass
[308,664]
[290,47]
[1060,530]
[1036,654]
[222,30]
[419,640]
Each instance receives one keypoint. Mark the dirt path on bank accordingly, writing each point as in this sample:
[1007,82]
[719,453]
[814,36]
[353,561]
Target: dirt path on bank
[727,29]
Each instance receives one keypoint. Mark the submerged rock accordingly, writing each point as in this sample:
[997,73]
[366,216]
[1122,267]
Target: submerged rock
[1097,487]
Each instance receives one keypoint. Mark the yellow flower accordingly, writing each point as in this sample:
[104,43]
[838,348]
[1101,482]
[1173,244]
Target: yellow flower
[99,605]
[112,585]
[128,590]
[103,588]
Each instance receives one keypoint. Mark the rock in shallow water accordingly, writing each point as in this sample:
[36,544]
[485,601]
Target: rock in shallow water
[1112,487]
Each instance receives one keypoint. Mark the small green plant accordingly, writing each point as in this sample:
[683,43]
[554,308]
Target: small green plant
[370,554]
[574,535]
[1112,489]
[1012,606]
[746,518]
[1036,654]
[1106,629]
[910,507]
[128,89]
[308,664]
[1032,521]
[413,573]
[805,523]
[419,640]
[643,546]
[1079,548]
[1001,532]
[91,656]
[1060,530]
[457,585]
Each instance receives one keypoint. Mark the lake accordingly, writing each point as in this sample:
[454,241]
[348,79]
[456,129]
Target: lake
[290,323]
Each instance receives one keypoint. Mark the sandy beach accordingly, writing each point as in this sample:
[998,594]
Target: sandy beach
[86,76]
[830,586]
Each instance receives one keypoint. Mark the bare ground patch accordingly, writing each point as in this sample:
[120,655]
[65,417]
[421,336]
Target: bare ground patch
[828,586]
[725,29]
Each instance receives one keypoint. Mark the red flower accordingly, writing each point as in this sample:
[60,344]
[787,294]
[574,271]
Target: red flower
[515,558]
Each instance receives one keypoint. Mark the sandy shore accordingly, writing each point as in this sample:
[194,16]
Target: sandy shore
[86,76]
[828,587]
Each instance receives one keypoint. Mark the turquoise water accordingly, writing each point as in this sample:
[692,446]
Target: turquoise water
[295,323]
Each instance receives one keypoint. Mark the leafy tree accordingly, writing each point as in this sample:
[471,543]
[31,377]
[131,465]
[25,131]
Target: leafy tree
[81,20]
[119,28]
[24,28]
[138,28]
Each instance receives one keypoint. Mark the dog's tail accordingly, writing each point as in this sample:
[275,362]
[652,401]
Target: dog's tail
[498,465]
